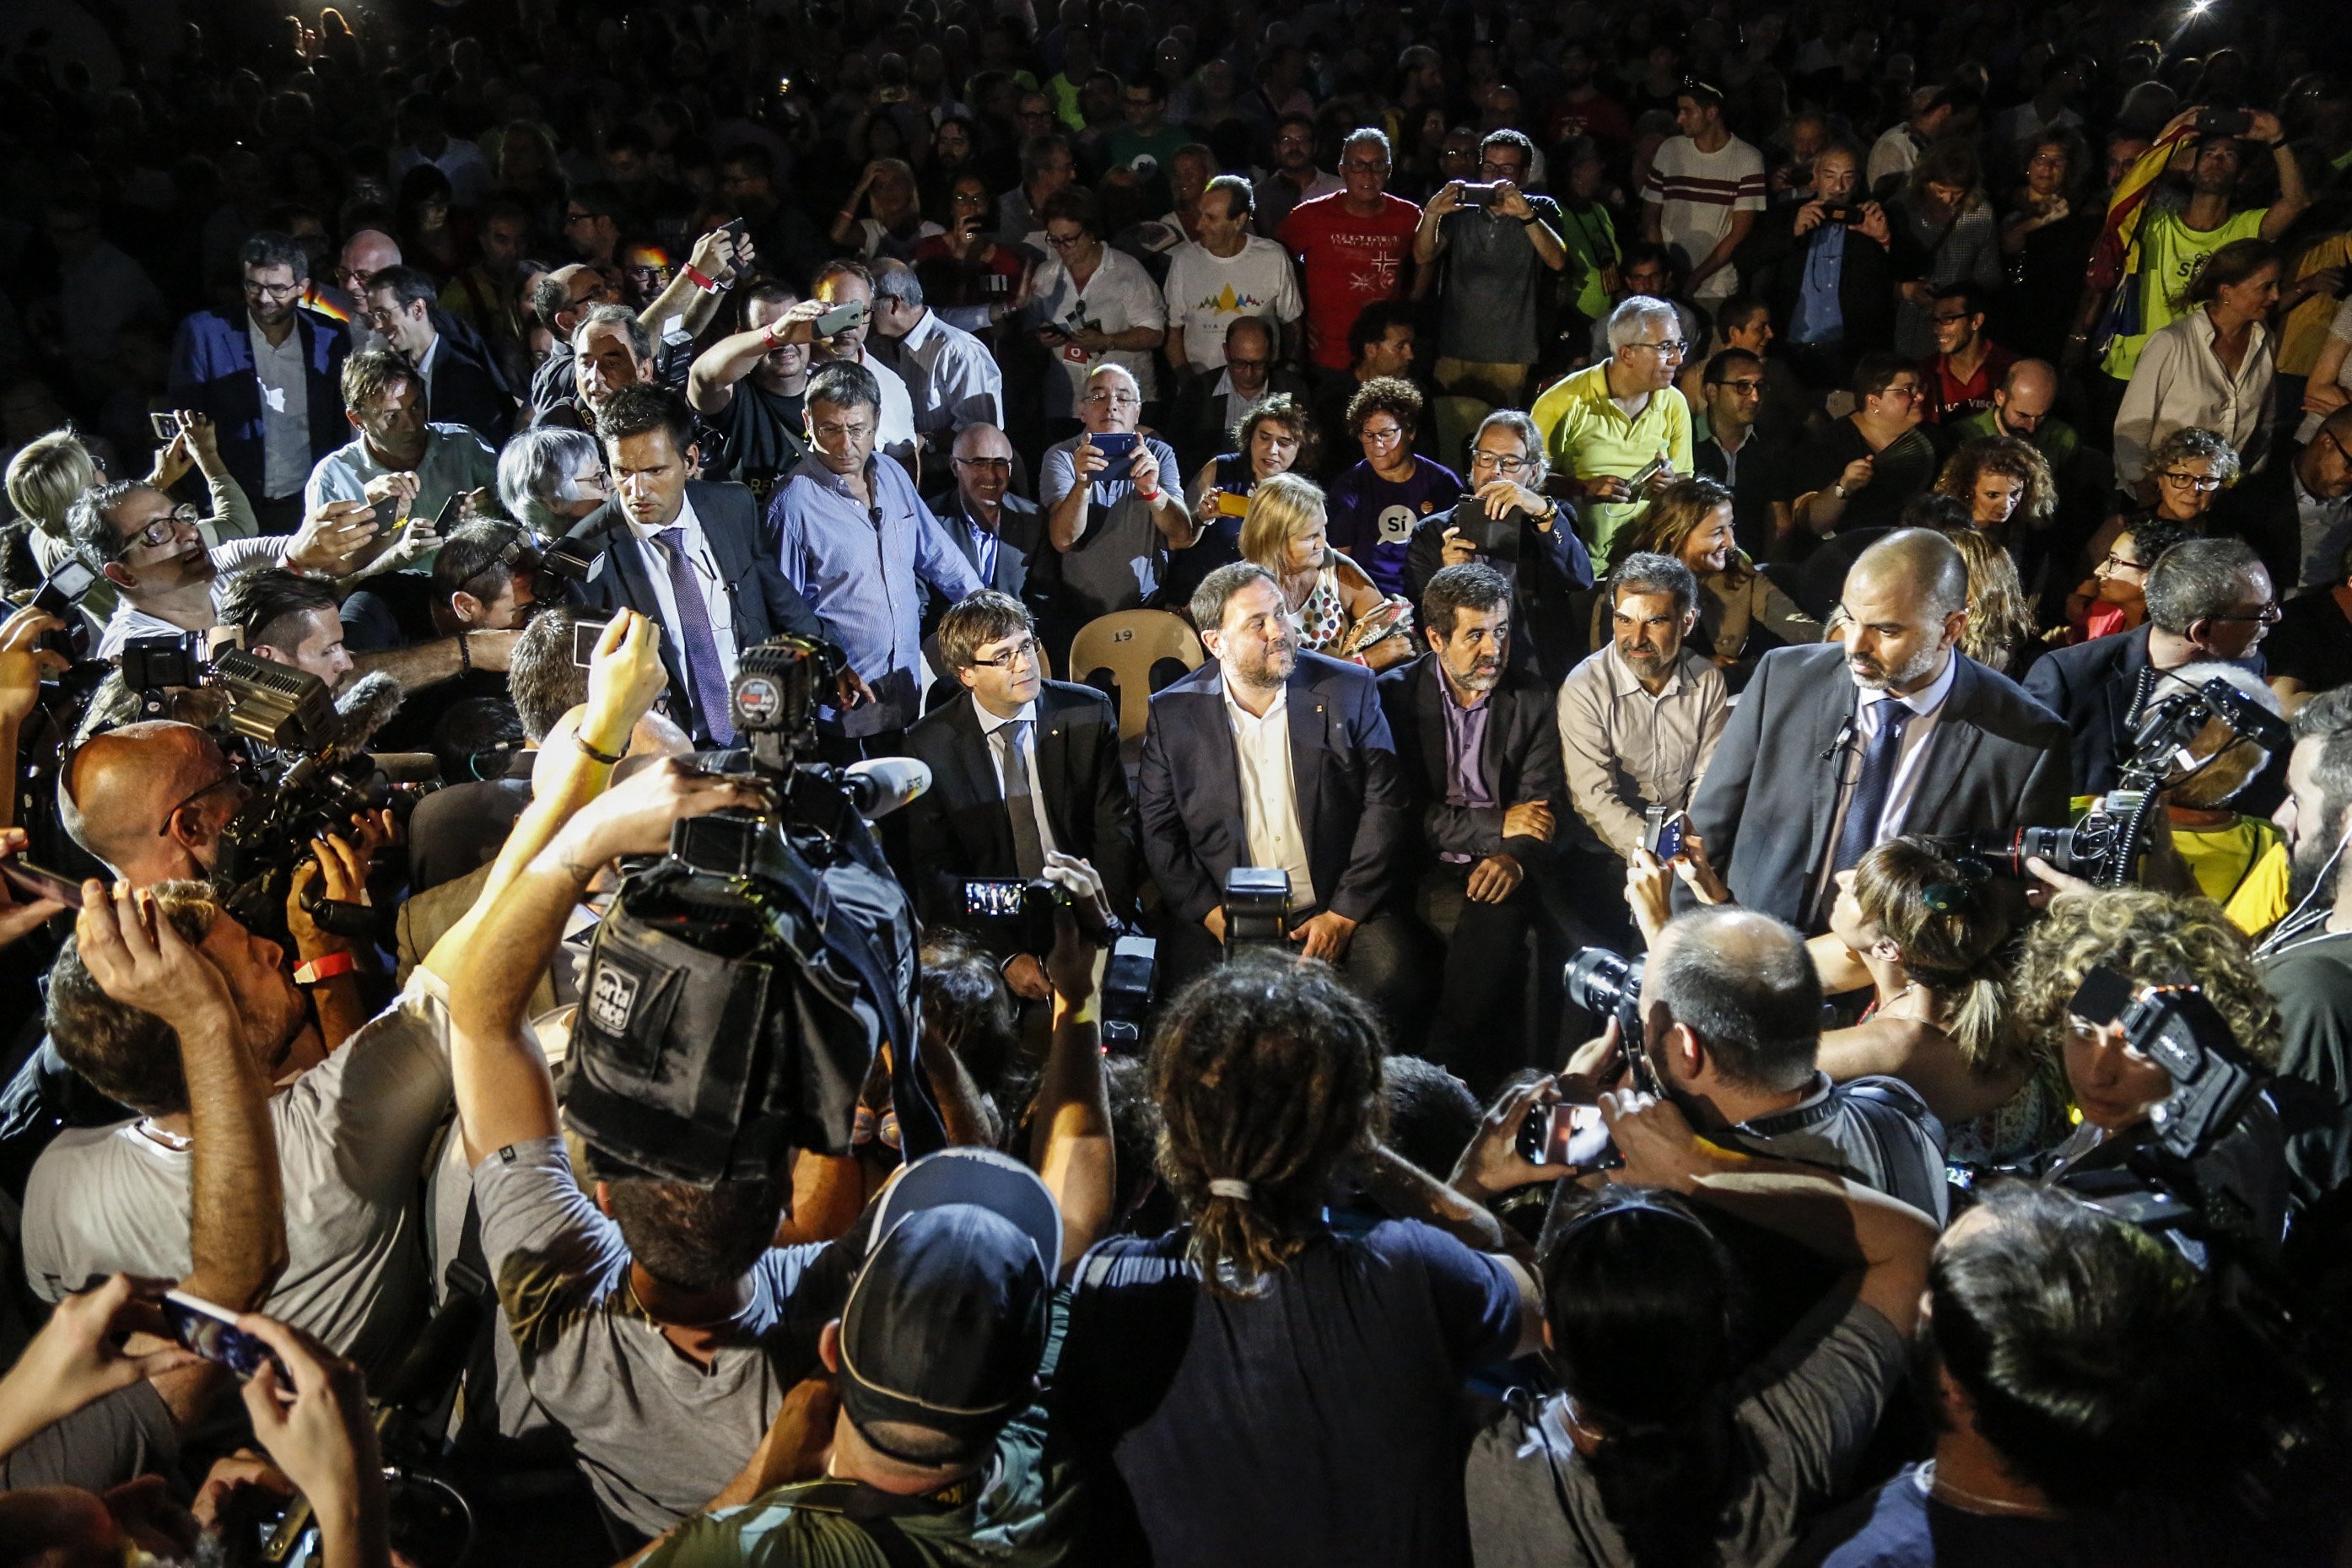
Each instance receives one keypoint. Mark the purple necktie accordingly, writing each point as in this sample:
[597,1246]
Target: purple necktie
[703,670]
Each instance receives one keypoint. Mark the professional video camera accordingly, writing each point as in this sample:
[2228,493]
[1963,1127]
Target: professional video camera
[741,986]
[1257,907]
[2106,846]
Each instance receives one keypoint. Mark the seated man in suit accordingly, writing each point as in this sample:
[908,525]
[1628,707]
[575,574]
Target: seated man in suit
[1266,756]
[1836,748]
[2207,600]
[1024,766]
[999,533]
[692,557]
[1479,751]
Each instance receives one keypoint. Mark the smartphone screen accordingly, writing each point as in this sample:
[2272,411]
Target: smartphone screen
[992,897]
[1670,839]
[165,426]
[36,883]
[1578,1139]
[212,1333]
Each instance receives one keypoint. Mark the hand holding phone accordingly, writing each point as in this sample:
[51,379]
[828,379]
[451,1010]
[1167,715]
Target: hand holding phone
[212,1333]
[840,319]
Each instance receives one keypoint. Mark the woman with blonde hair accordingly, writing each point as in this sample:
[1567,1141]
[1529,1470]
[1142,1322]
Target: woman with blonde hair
[1332,603]
[1690,521]
[1999,632]
[1926,931]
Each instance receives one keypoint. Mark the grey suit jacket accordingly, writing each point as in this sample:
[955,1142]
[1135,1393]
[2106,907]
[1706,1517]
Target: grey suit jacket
[1997,760]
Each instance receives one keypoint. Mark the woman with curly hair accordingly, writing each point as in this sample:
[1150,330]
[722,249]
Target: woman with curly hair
[2150,939]
[2001,479]
[1930,935]
[2189,469]
[1741,613]
[1277,436]
[1999,634]
[1378,503]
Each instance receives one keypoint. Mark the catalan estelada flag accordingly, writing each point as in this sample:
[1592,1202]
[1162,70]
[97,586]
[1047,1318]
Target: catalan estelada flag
[2115,259]
[313,299]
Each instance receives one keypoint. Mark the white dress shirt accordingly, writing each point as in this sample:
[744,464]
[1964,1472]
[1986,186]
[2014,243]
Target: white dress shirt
[2179,381]
[1910,765]
[894,421]
[951,380]
[715,597]
[989,724]
[1269,792]
[284,411]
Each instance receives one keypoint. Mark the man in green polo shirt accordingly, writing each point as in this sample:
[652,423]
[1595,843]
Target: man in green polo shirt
[1611,422]
[2021,407]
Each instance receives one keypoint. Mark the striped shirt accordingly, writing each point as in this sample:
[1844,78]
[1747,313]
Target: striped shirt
[1698,192]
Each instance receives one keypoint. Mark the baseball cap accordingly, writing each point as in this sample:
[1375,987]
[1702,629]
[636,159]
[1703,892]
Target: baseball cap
[946,1322]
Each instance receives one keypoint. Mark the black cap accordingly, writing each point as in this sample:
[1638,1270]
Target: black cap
[947,1323]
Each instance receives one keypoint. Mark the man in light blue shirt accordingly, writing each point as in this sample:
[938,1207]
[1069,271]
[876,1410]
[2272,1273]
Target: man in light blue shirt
[854,539]
[397,453]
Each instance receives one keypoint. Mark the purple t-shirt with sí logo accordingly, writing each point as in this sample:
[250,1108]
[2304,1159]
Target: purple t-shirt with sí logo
[1374,520]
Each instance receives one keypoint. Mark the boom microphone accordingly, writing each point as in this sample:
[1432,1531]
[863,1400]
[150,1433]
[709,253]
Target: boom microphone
[880,785]
[365,707]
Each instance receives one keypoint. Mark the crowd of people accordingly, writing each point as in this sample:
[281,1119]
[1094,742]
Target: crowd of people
[1376,506]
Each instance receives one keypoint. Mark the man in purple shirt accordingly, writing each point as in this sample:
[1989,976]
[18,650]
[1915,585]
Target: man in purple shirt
[854,539]
[1479,750]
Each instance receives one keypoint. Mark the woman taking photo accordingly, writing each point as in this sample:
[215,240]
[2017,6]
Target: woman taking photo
[2210,369]
[1275,436]
[1090,303]
[1741,613]
[1333,605]
[1926,934]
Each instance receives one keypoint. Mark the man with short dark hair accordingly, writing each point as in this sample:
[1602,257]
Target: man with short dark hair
[398,456]
[611,349]
[2307,957]
[289,618]
[271,382]
[462,382]
[749,388]
[2298,510]
[1860,471]
[1959,379]
[560,299]
[1499,242]
[166,579]
[854,539]
[1704,189]
[1022,767]
[1479,754]
[1268,755]
[1748,463]
[2207,599]
[592,224]
[1351,246]
[1381,341]
[689,555]
[1294,179]
[1640,719]
[1837,748]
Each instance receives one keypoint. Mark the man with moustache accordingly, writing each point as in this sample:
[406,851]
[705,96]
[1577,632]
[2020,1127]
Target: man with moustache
[1836,748]
[2307,957]
[1480,755]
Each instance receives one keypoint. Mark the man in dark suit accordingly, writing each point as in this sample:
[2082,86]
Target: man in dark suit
[1825,334]
[1269,757]
[1479,748]
[463,384]
[1836,748]
[693,558]
[268,445]
[1000,534]
[1022,766]
[2207,600]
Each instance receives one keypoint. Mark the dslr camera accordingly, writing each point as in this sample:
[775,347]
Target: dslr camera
[1607,986]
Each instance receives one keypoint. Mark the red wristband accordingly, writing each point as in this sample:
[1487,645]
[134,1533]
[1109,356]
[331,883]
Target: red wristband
[325,967]
[699,278]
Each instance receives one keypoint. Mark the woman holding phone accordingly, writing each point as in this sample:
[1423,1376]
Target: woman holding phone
[1276,436]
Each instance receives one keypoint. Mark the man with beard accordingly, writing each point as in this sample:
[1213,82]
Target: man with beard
[750,389]
[2307,958]
[1480,755]
[1838,747]
[1270,756]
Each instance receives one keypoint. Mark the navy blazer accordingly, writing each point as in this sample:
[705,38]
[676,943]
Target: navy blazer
[466,386]
[1019,535]
[1997,760]
[2092,686]
[212,373]
[957,828]
[1352,794]
[1520,760]
[746,552]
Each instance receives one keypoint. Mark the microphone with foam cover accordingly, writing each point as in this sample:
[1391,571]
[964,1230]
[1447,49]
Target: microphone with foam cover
[880,785]
[364,708]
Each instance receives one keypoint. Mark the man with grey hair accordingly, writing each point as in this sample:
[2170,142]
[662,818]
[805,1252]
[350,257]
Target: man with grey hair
[1225,277]
[1837,748]
[951,378]
[1621,419]
[551,477]
[1641,718]
[2207,600]
[611,349]
[1509,524]
[1351,246]
[1115,510]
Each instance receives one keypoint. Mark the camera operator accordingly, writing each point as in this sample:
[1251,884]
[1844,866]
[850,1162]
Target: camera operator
[2208,598]
[2219,848]
[1660,1447]
[351,1129]
[150,800]
[2151,939]
[1027,766]
[2087,1406]
[1835,748]
[2307,957]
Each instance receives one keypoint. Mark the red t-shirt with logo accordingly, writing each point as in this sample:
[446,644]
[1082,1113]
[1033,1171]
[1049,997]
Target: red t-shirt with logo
[1950,399]
[1346,262]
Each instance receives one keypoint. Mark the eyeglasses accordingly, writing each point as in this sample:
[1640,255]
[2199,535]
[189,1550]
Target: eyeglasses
[1025,651]
[1499,463]
[1064,242]
[988,465]
[272,290]
[1115,399]
[841,432]
[228,778]
[2115,560]
[1363,166]
[2269,615]
[1671,348]
[1235,362]
[162,530]
[1746,387]
[1494,170]
[2200,483]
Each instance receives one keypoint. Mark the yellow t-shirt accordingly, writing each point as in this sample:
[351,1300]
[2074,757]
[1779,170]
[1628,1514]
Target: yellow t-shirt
[2260,901]
[2241,865]
[2170,253]
[2305,331]
[1587,434]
